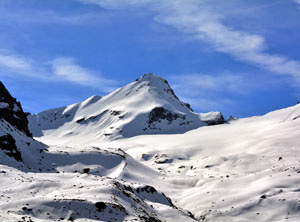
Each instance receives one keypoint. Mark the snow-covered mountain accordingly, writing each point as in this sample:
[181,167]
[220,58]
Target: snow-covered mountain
[246,170]
[42,183]
[146,106]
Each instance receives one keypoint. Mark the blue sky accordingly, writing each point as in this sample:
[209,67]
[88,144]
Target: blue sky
[240,57]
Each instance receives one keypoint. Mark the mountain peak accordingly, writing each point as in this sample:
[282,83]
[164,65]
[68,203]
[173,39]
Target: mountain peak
[151,77]
[145,106]
[156,83]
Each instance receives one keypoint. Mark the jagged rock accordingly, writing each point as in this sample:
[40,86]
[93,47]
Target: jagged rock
[212,118]
[230,118]
[160,113]
[8,145]
[11,110]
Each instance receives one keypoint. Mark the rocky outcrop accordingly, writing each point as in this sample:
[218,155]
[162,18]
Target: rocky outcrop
[212,118]
[11,111]
[219,120]
[159,113]
[8,145]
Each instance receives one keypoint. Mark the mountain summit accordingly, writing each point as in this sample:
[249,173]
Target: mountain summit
[145,106]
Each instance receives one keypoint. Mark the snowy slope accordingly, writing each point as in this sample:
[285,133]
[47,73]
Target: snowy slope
[146,106]
[17,149]
[42,183]
[62,184]
[91,185]
[248,170]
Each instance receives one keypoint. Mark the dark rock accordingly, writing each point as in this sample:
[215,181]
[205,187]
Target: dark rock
[146,156]
[159,113]
[163,160]
[115,113]
[147,189]
[263,196]
[188,106]
[8,145]
[230,118]
[26,209]
[11,111]
[171,91]
[80,120]
[149,219]
[86,170]
[219,120]
[100,206]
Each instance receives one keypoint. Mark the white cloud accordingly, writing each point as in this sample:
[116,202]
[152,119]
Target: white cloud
[297,1]
[195,83]
[14,61]
[11,62]
[66,68]
[202,20]
[59,69]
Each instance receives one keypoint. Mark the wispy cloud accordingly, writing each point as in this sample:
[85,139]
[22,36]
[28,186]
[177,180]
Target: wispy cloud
[297,1]
[21,16]
[59,69]
[67,69]
[206,92]
[203,82]
[13,61]
[200,20]
[112,4]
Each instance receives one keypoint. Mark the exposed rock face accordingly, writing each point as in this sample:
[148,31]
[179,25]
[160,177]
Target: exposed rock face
[159,113]
[11,110]
[231,118]
[8,145]
[219,120]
